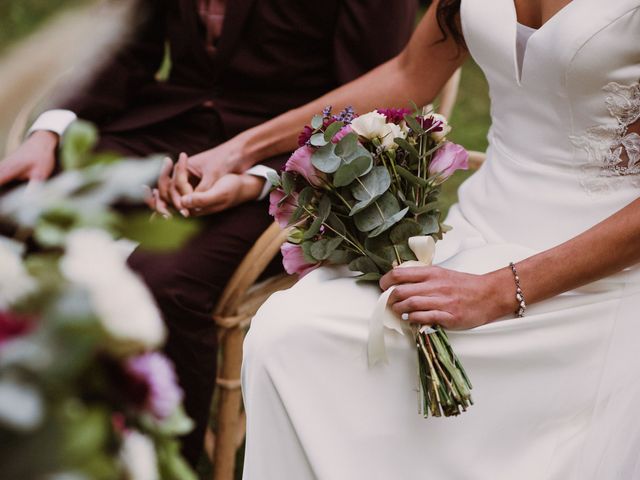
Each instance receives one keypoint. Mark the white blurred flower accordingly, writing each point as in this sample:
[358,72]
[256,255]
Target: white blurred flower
[21,405]
[15,282]
[138,456]
[392,131]
[370,125]
[123,303]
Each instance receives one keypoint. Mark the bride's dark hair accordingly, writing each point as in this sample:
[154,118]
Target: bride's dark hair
[448,17]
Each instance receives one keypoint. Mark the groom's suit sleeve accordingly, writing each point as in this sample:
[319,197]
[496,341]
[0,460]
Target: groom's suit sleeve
[370,32]
[130,67]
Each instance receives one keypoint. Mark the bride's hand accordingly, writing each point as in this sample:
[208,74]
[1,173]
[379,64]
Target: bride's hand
[454,300]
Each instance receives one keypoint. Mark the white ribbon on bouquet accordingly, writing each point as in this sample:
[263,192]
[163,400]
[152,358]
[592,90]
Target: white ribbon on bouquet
[424,248]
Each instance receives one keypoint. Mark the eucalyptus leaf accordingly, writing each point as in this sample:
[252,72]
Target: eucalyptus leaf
[374,184]
[404,230]
[306,196]
[332,129]
[347,145]
[389,222]
[378,214]
[339,257]
[317,121]
[334,222]
[369,277]
[273,178]
[288,183]
[430,223]
[313,229]
[317,140]
[407,147]
[411,178]
[413,124]
[306,252]
[363,265]
[325,159]
[324,209]
[323,248]
[348,172]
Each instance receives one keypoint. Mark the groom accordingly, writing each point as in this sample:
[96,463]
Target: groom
[234,64]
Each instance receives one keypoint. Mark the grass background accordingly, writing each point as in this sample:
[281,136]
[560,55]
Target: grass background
[18,18]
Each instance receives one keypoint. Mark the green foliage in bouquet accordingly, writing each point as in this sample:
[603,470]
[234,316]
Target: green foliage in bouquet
[84,393]
[363,191]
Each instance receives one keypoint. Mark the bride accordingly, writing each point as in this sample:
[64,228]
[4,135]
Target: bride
[557,390]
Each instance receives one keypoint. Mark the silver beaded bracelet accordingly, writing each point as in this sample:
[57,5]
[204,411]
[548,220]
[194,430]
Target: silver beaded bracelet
[522,304]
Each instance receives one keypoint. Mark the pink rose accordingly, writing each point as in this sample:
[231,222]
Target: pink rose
[282,213]
[343,132]
[300,162]
[448,159]
[294,261]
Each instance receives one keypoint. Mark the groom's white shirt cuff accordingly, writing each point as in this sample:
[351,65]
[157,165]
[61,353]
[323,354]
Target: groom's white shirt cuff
[262,172]
[56,121]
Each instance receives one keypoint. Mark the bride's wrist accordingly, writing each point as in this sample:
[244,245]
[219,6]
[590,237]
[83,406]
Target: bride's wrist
[502,292]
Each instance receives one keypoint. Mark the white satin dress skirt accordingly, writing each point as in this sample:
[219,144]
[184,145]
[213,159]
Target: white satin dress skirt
[557,393]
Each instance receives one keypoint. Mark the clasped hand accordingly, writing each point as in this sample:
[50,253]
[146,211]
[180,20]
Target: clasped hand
[453,300]
[198,185]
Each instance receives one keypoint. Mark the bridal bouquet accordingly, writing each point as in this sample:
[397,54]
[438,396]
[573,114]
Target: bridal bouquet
[363,191]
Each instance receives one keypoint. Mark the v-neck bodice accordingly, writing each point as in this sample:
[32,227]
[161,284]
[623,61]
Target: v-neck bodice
[562,99]
[524,32]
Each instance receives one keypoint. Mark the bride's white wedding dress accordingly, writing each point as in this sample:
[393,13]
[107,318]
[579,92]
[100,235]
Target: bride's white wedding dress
[557,393]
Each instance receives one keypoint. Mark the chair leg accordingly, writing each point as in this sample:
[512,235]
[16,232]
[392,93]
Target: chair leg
[228,414]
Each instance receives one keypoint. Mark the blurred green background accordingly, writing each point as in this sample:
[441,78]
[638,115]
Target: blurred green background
[18,18]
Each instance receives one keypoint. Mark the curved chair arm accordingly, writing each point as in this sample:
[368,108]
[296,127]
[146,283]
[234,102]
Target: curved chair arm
[251,267]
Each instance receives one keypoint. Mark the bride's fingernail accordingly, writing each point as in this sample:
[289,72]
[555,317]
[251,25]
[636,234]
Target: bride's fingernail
[405,316]
[184,212]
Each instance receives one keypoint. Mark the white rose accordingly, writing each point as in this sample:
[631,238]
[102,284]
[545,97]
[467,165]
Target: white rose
[446,128]
[138,457]
[370,125]
[391,132]
[15,282]
[127,311]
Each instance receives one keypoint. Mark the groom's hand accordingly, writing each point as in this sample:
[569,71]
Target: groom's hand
[230,190]
[34,160]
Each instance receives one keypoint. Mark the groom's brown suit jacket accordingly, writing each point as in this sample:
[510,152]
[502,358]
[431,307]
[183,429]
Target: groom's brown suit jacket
[273,55]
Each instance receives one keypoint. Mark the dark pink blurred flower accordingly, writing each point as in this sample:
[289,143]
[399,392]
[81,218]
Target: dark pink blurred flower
[343,132]
[394,115]
[13,325]
[294,261]
[282,212]
[300,162]
[164,394]
[305,135]
[448,159]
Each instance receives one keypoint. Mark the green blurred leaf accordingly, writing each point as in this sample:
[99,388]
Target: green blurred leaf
[159,234]
[430,223]
[370,187]
[411,178]
[288,183]
[274,178]
[76,145]
[347,146]
[413,124]
[407,147]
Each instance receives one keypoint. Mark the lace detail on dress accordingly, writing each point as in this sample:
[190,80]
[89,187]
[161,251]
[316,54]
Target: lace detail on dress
[613,152]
